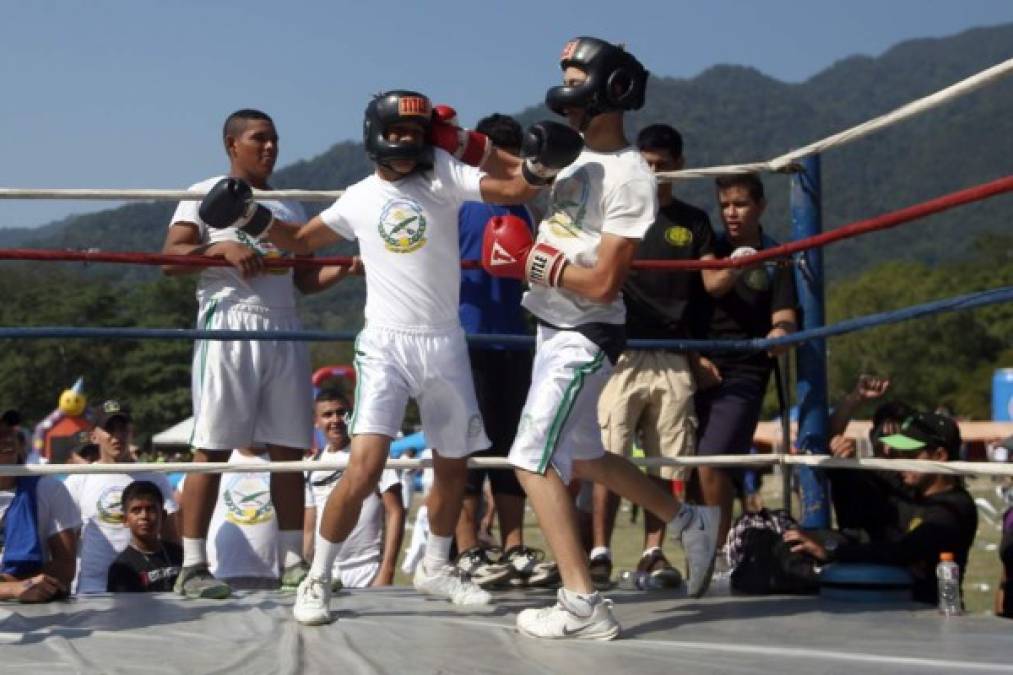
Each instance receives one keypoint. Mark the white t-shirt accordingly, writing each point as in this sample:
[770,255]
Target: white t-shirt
[407,232]
[272,289]
[56,511]
[364,543]
[243,536]
[601,192]
[104,534]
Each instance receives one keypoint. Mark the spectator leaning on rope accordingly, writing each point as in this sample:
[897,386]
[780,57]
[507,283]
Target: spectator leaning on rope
[933,514]
[38,528]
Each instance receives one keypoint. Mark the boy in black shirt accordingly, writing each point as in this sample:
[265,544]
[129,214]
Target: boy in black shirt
[753,302]
[932,514]
[148,563]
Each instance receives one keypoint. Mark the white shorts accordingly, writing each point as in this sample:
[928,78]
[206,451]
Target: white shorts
[357,576]
[393,365]
[559,422]
[249,392]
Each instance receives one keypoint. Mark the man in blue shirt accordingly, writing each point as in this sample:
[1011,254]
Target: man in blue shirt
[502,375]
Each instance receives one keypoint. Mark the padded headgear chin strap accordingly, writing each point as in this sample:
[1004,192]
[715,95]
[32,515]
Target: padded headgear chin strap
[387,109]
[615,79]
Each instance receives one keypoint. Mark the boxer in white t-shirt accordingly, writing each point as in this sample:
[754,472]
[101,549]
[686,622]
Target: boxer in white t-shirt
[245,393]
[369,553]
[601,206]
[404,217]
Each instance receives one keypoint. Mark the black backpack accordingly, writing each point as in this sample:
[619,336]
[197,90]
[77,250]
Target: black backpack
[762,563]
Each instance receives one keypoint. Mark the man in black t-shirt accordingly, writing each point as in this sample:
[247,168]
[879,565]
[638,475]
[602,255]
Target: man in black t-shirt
[753,302]
[930,514]
[649,398]
[148,563]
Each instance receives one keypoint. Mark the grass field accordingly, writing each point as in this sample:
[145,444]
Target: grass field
[627,545]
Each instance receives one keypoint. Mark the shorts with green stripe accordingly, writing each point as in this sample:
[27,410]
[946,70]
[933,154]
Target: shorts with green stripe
[559,423]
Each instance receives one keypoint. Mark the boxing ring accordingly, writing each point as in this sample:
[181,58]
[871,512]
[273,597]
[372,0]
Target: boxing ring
[397,630]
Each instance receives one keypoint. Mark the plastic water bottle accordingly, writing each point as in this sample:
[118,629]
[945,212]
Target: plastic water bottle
[948,577]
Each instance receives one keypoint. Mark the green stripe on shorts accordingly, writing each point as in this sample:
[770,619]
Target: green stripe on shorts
[358,382]
[566,407]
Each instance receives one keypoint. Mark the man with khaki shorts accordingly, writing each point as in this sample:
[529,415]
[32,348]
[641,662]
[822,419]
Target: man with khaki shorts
[648,401]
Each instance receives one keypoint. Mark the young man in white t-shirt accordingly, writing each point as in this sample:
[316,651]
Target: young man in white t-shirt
[601,206]
[245,393]
[98,497]
[369,554]
[39,566]
[404,217]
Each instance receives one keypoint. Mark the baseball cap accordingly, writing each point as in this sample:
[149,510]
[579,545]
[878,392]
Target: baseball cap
[11,417]
[110,410]
[926,430]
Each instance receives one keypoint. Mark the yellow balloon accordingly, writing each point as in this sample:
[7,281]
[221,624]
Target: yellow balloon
[72,403]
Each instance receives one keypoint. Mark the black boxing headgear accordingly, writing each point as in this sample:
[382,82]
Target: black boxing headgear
[387,109]
[615,79]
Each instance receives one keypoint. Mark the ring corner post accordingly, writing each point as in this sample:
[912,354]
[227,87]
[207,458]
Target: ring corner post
[811,356]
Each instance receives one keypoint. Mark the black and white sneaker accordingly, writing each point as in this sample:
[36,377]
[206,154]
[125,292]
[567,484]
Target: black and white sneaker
[530,567]
[483,572]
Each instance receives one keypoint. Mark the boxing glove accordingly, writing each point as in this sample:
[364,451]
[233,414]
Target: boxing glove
[547,148]
[468,146]
[741,252]
[229,203]
[508,250]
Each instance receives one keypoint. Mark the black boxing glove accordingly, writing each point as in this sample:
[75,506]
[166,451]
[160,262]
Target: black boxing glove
[547,148]
[230,204]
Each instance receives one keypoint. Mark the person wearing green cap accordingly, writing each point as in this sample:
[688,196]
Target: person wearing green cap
[932,514]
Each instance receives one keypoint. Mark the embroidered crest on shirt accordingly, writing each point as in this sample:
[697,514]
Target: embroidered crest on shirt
[109,506]
[569,204]
[247,500]
[402,226]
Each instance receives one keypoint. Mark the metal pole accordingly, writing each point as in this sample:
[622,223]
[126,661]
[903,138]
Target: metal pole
[811,391]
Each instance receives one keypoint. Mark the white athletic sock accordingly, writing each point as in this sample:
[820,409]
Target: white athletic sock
[325,552]
[601,550]
[682,519]
[290,547]
[437,552]
[581,604]
[194,552]
[649,551]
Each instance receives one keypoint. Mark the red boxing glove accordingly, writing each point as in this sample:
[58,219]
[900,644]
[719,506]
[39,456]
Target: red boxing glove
[508,250]
[468,146]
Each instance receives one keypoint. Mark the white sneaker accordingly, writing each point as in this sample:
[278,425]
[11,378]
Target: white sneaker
[313,601]
[449,582]
[559,623]
[700,542]
[484,572]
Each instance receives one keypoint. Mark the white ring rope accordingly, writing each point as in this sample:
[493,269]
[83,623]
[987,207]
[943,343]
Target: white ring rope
[966,86]
[776,459]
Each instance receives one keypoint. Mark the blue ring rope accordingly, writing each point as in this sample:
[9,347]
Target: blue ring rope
[955,304]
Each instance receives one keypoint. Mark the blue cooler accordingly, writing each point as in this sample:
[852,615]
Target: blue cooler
[862,582]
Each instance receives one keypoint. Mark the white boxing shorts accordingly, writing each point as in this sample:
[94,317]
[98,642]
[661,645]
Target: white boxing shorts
[429,365]
[559,422]
[250,392]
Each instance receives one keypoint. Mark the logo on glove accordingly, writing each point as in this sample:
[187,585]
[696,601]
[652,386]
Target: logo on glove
[500,256]
[414,105]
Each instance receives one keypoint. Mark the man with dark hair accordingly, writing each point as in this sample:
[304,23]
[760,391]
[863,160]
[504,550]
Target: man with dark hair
[413,345]
[601,207]
[501,375]
[934,514]
[754,302]
[648,400]
[99,498]
[369,554]
[246,393]
[148,563]
[38,528]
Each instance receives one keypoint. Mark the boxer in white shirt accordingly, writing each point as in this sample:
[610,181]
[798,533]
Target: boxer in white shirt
[404,217]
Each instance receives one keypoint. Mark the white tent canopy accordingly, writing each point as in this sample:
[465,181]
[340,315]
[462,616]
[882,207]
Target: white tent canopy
[177,434]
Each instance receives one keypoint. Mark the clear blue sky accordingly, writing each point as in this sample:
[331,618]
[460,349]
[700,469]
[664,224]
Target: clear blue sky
[132,93]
